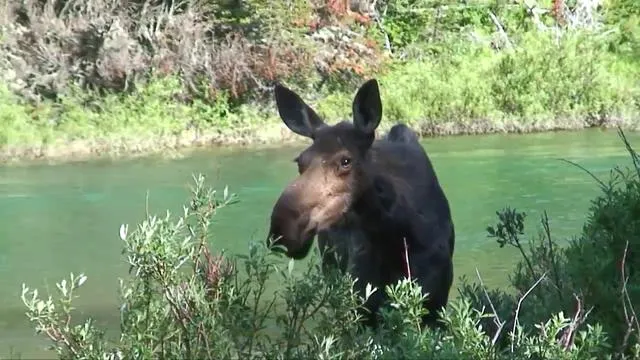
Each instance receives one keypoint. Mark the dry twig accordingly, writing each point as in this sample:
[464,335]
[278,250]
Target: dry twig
[568,336]
[515,320]
[500,29]
[630,314]
[406,257]
[496,319]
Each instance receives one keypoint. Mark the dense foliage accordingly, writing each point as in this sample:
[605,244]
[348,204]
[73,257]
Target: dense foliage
[182,300]
[129,75]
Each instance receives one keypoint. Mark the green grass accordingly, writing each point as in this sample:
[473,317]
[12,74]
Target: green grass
[538,86]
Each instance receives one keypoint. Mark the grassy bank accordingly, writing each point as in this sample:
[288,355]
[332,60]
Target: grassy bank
[471,77]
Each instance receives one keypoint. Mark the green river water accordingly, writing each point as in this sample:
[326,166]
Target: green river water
[56,219]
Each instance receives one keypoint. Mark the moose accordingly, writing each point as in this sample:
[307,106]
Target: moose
[371,203]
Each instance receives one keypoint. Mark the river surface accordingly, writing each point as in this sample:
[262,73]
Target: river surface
[56,219]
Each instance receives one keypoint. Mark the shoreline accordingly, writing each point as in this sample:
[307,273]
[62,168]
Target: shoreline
[274,135]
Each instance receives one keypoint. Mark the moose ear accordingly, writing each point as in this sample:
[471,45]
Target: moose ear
[295,113]
[367,107]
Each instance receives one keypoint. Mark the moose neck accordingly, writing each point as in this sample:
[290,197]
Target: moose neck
[372,206]
[384,228]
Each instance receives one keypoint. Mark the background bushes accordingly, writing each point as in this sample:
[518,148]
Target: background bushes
[445,67]
[214,46]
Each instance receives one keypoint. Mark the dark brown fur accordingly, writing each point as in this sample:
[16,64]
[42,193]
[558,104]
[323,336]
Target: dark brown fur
[362,198]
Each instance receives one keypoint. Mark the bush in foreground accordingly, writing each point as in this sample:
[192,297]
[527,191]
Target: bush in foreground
[183,302]
[594,278]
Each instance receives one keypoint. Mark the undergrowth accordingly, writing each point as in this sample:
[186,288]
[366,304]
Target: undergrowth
[183,300]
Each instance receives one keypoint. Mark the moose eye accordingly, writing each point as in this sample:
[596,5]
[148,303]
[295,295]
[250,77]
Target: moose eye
[345,162]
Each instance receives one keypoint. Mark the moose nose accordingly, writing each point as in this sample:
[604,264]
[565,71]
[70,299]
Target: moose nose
[289,222]
[283,214]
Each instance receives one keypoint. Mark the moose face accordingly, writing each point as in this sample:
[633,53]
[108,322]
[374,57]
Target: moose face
[331,171]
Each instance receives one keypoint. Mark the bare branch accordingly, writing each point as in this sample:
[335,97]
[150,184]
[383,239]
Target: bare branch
[515,320]
[500,29]
[580,316]
[496,320]
[406,257]
[630,314]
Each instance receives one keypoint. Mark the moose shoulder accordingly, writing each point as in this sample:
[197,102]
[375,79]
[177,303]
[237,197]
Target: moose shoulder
[364,198]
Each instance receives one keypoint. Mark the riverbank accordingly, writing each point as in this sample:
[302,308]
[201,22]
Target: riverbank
[547,82]
[275,135]
[457,98]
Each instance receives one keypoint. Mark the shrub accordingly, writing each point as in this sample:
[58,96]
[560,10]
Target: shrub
[180,301]
[238,48]
[594,276]
[580,71]
[624,17]
[604,259]
[543,82]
